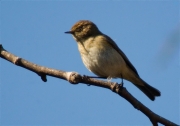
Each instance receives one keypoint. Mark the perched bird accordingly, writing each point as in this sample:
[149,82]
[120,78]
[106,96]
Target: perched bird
[103,57]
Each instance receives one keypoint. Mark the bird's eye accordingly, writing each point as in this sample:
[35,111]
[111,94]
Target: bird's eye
[79,29]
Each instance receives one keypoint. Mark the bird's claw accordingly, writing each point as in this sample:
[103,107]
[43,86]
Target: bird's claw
[86,78]
[122,82]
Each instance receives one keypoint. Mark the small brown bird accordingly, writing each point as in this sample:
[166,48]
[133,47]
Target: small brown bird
[103,57]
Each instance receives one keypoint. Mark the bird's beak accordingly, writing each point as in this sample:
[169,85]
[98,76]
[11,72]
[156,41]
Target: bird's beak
[69,32]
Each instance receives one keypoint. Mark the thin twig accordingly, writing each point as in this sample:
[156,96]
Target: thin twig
[75,78]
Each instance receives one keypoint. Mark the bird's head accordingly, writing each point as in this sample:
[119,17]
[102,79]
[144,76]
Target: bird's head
[83,29]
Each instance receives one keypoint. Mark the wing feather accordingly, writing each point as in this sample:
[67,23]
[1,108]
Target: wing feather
[114,45]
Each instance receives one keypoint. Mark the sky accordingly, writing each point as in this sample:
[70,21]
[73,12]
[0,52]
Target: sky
[34,30]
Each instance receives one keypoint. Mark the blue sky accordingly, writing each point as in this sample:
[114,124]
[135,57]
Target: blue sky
[34,30]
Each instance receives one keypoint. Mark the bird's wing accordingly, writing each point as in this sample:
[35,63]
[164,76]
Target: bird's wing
[114,45]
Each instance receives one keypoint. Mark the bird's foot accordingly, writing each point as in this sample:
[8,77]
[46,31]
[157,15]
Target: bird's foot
[122,82]
[96,77]
[86,78]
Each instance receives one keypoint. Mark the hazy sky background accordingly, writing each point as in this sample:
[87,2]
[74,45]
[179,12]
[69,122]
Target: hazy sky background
[34,30]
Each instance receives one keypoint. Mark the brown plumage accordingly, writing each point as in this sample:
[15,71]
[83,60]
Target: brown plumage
[101,55]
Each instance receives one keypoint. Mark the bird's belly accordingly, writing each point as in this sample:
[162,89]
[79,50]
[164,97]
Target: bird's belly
[106,63]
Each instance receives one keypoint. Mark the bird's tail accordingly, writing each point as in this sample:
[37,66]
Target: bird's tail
[148,90]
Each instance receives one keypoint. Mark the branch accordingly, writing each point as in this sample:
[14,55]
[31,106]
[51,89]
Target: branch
[75,78]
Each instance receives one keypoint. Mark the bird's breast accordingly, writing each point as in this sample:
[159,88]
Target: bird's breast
[101,58]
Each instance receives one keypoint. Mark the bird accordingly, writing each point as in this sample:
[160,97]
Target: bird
[102,56]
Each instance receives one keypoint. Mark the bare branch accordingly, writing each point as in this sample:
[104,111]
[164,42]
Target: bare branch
[75,78]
